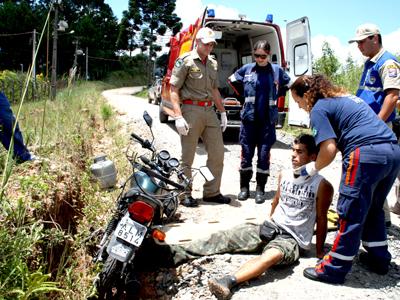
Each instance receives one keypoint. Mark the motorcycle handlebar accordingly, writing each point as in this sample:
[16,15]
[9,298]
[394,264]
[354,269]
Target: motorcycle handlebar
[148,162]
[152,173]
[145,143]
[180,174]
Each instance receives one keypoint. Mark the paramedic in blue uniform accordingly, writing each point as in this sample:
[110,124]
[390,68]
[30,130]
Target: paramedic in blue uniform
[7,121]
[380,82]
[259,115]
[370,163]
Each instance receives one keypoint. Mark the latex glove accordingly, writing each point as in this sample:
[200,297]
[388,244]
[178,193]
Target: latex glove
[181,126]
[224,121]
[306,170]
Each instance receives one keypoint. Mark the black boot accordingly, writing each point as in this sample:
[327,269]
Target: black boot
[245,177]
[261,179]
[221,287]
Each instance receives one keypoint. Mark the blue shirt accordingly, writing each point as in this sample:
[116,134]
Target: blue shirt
[371,88]
[259,88]
[350,121]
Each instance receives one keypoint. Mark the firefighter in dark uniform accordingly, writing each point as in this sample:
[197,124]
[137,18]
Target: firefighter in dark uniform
[259,115]
[194,85]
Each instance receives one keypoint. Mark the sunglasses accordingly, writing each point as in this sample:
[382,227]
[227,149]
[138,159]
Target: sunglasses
[262,56]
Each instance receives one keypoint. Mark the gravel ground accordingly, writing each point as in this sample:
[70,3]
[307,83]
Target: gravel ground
[189,281]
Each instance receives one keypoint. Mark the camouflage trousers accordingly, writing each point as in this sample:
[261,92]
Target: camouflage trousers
[243,238]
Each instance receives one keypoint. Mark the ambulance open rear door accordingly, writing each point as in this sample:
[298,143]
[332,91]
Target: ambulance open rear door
[298,55]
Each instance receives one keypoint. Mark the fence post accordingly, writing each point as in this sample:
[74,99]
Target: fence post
[13,91]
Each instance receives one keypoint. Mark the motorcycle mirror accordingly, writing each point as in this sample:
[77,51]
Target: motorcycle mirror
[205,171]
[147,118]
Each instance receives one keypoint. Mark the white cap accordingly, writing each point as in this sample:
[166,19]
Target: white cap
[363,31]
[206,35]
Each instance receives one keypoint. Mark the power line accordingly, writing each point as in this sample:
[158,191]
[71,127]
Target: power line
[102,58]
[14,34]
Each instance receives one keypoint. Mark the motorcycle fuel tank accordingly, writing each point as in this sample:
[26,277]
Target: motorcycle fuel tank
[143,180]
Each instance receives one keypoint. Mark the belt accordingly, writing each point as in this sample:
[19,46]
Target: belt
[198,102]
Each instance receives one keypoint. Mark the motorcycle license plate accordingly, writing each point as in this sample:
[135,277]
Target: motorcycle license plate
[131,231]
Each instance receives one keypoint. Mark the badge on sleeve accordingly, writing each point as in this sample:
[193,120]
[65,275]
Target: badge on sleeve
[178,62]
[314,131]
[392,71]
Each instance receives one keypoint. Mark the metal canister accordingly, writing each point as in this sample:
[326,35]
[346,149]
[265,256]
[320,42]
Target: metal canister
[104,171]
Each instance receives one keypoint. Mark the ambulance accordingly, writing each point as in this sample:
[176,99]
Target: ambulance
[235,40]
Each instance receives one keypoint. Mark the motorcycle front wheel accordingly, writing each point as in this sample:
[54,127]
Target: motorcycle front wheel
[109,284]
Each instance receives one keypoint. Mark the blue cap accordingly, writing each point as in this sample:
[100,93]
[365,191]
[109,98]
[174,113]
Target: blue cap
[211,13]
[270,18]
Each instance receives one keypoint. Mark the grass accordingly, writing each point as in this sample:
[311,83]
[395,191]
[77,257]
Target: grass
[49,209]
[142,94]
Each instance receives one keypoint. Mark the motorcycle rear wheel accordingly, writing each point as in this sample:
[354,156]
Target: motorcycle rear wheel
[109,285]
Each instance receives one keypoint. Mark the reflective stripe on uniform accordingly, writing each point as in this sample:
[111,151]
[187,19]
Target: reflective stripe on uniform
[250,99]
[341,257]
[370,88]
[272,102]
[352,167]
[246,169]
[374,244]
[262,171]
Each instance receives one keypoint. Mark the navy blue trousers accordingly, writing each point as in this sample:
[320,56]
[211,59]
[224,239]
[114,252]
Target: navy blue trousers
[7,121]
[368,174]
[262,136]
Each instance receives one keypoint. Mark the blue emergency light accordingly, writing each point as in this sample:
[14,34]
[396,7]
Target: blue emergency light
[211,13]
[270,18]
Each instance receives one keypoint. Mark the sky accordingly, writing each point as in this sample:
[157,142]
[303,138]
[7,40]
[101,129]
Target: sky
[334,21]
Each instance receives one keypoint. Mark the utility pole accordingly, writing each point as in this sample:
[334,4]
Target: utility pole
[87,64]
[33,57]
[53,91]
[47,53]
[76,53]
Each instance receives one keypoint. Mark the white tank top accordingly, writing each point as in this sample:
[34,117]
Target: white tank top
[296,210]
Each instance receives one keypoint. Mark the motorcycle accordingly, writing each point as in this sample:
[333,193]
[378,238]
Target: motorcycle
[150,201]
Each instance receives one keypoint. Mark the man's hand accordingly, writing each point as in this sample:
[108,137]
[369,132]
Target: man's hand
[181,126]
[224,121]
[306,170]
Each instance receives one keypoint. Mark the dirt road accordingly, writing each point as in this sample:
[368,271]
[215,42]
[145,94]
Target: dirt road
[190,280]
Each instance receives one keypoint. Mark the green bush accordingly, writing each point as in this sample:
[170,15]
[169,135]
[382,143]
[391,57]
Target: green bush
[21,275]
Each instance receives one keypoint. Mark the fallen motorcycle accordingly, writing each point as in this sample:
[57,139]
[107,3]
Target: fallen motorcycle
[149,199]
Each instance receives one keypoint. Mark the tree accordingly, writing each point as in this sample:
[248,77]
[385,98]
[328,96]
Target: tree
[17,21]
[328,63]
[350,75]
[92,21]
[143,22]
[96,27]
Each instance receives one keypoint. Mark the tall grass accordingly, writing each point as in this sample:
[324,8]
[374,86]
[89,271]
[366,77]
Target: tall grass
[51,208]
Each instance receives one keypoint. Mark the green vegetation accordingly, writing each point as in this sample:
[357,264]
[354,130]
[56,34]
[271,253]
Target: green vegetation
[347,76]
[142,94]
[50,209]
[92,29]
